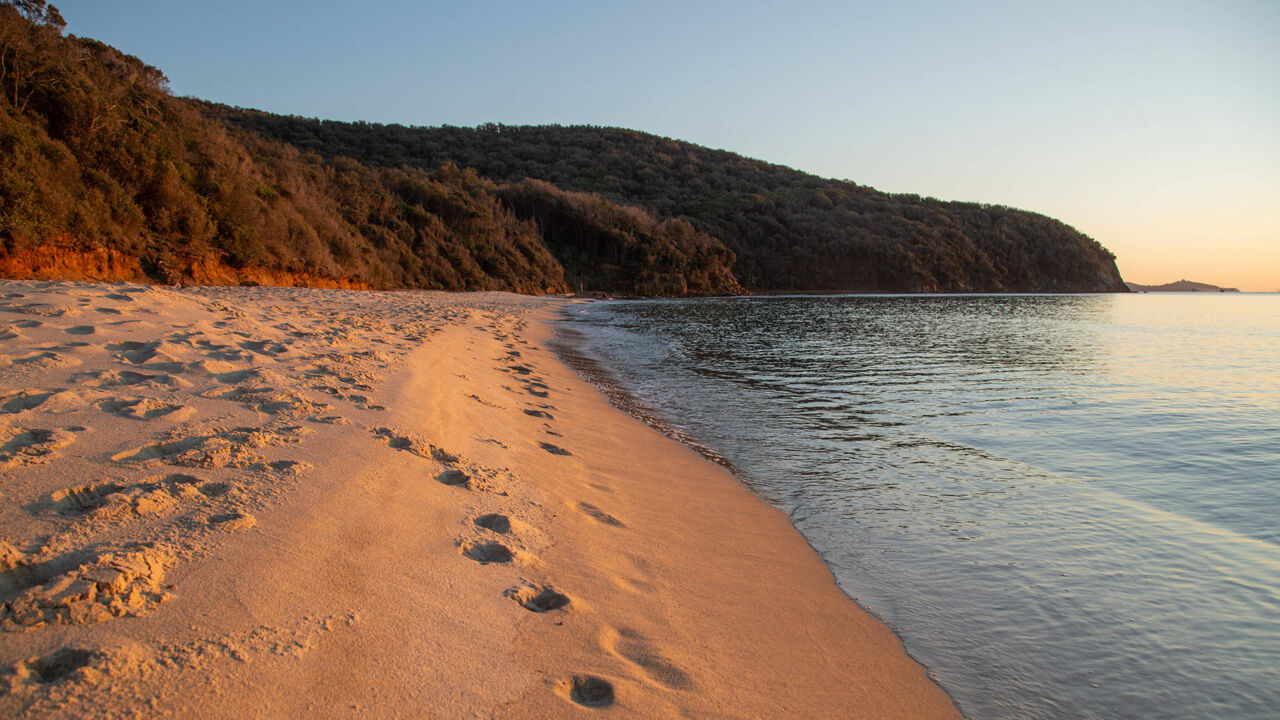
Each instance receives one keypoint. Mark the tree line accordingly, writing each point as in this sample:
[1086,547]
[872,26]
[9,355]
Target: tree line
[106,175]
[788,230]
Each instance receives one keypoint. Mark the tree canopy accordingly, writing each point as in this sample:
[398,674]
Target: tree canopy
[106,175]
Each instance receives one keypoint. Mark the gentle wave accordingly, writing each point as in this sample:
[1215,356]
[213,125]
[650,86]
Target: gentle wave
[1064,504]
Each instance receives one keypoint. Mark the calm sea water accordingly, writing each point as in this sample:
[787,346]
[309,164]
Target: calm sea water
[1067,506]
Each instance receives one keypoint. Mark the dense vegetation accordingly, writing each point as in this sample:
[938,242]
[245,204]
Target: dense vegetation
[607,245]
[105,175]
[789,230]
[98,156]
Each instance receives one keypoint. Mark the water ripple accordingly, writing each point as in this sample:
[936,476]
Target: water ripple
[1064,504]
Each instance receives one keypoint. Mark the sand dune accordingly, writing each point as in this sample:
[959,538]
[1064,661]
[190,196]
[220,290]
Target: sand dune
[232,502]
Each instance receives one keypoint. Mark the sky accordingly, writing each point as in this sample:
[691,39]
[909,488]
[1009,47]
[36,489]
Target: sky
[1151,126]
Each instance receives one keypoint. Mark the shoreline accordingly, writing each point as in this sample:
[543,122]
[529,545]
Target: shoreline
[402,504]
[569,346]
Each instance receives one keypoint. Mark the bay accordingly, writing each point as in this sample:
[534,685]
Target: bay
[1065,505]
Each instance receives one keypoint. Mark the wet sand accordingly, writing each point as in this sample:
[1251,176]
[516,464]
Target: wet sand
[266,502]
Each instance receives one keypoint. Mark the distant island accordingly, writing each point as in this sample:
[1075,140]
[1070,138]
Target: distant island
[1179,286]
[106,176]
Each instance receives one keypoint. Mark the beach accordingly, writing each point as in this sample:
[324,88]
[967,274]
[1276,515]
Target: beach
[269,502]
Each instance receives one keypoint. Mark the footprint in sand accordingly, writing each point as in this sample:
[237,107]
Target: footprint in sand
[221,449]
[233,521]
[486,552]
[586,690]
[555,449]
[265,347]
[162,450]
[84,499]
[122,378]
[495,522]
[290,467]
[142,408]
[214,489]
[39,359]
[273,402]
[412,444]
[136,353]
[599,514]
[55,667]
[114,584]
[455,478]
[484,402]
[441,456]
[539,414]
[632,647]
[32,446]
[104,500]
[538,599]
[25,400]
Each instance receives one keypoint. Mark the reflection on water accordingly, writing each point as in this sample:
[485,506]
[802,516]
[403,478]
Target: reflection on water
[1064,504]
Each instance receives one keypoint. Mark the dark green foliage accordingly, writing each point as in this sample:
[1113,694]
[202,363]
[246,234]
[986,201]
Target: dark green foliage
[790,230]
[96,157]
[605,245]
[97,154]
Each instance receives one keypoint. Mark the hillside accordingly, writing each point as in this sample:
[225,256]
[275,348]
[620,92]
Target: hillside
[789,230]
[107,176]
[1179,286]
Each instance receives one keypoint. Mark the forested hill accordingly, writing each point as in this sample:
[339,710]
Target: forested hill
[790,230]
[105,175]
[1180,286]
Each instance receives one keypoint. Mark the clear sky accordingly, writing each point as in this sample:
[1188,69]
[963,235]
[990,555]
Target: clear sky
[1152,126]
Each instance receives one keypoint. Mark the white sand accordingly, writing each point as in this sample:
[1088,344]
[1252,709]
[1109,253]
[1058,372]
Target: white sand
[275,502]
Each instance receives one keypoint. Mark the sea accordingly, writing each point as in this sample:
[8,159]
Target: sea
[1066,506]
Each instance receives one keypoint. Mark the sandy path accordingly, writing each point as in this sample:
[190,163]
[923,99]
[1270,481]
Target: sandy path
[269,502]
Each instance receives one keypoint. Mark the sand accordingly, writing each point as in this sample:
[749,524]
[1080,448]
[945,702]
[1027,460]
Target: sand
[269,502]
